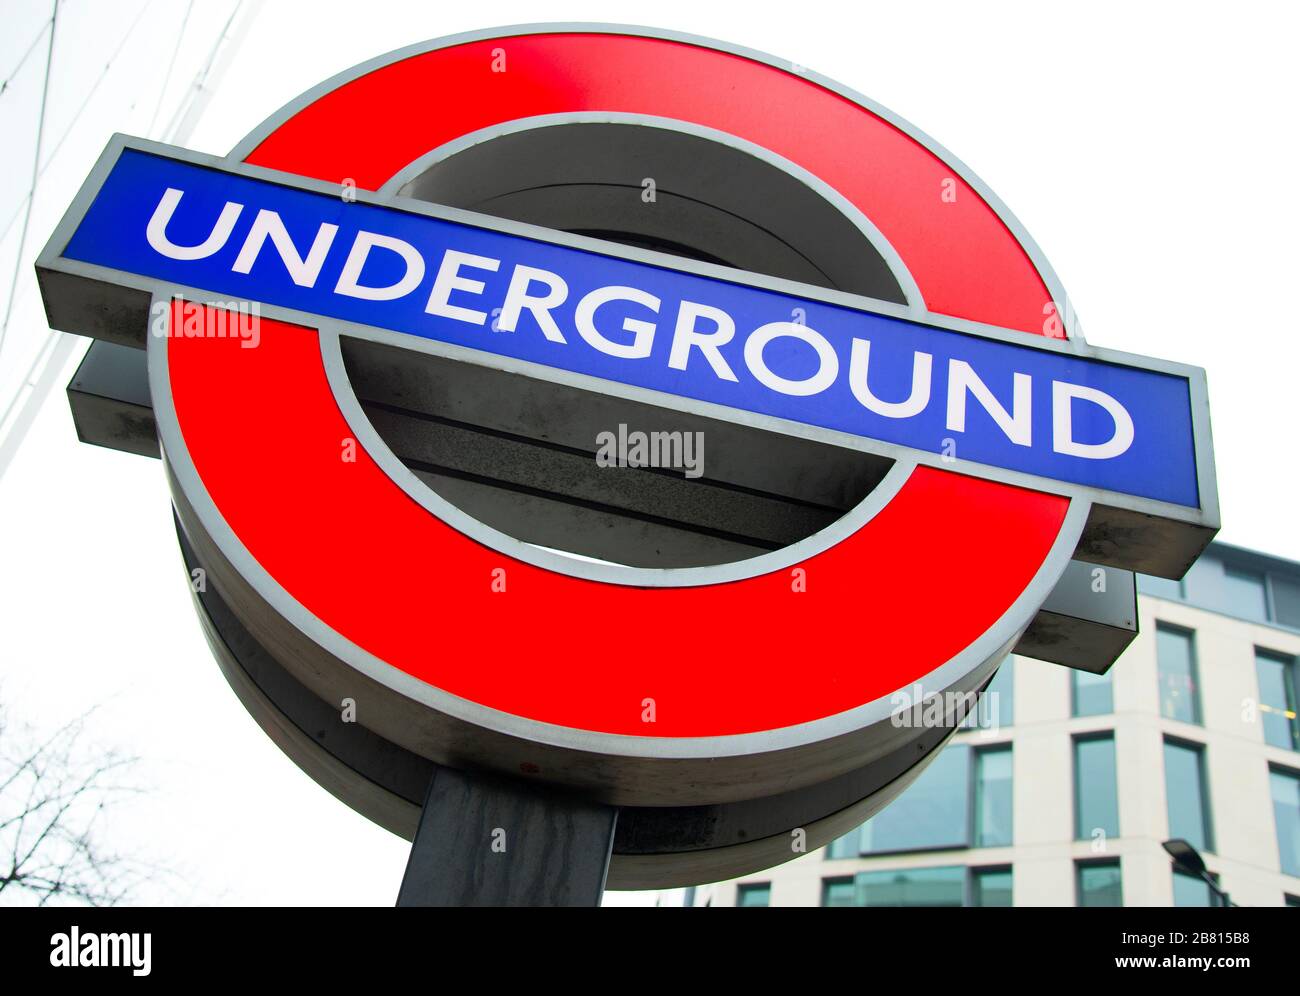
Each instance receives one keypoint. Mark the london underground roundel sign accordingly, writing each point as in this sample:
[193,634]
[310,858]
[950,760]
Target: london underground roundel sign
[1006,444]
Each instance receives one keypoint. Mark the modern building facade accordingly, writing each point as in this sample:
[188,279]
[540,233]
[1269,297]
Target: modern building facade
[1063,788]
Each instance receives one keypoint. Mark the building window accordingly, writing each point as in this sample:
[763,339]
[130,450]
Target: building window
[1096,797]
[848,846]
[1098,883]
[1244,594]
[839,892]
[990,887]
[997,706]
[992,810]
[931,813]
[1258,595]
[913,887]
[754,894]
[1160,587]
[1176,662]
[948,885]
[1277,699]
[1192,890]
[1090,694]
[1187,794]
[1285,786]
[1290,900]
[963,799]
[1286,601]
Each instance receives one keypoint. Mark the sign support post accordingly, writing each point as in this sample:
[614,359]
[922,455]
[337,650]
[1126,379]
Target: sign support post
[490,841]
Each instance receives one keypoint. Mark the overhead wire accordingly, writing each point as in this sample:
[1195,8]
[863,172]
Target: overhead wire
[57,349]
[4,83]
[80,111]
[36,167]
[171,64]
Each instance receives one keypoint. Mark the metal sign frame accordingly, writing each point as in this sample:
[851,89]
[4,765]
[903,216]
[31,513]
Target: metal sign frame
[715,793]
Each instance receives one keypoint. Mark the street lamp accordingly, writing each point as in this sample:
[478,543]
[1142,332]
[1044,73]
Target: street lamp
[1188,859]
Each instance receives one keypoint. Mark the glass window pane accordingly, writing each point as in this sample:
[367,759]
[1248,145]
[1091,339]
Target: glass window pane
[1096,806]
[1286,814]
[1192,891]
[1277,700]
[1091,694]
[1001,695]
[839,892]
[912,887]
[993,797]
[1176,660]
[1202,583]
[1160,587]
[847,846]
[1243,594]
[1099,884]
[1286,601]
[931,813]
[990,887]
[755,894]
[1186,795]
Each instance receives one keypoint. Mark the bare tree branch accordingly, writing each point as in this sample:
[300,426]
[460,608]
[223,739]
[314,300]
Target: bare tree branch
[54,794]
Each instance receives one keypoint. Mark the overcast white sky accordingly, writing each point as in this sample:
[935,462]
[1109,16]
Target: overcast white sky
[1149,149]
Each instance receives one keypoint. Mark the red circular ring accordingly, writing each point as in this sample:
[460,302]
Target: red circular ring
[743,657]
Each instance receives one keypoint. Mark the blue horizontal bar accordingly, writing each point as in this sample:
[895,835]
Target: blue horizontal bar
[809,346]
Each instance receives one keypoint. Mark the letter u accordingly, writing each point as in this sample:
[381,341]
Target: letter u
[859,361]
[162,216]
